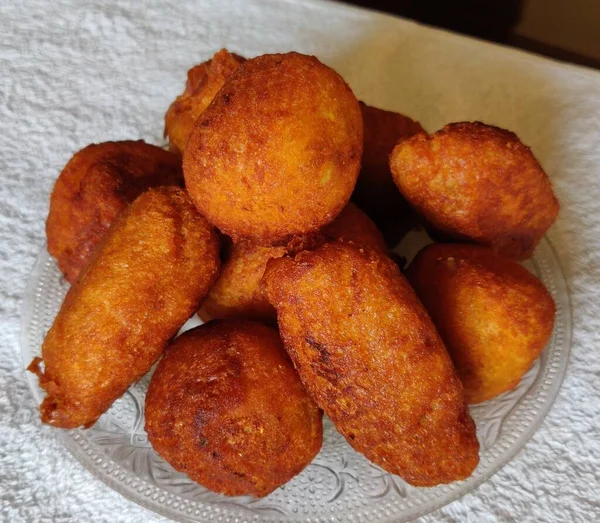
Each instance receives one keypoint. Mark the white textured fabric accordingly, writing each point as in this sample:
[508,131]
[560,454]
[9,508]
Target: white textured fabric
[76,72]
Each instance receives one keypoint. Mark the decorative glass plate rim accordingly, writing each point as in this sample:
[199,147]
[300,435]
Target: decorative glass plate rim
[128,485]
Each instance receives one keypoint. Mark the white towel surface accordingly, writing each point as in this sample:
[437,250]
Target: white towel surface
[74,72]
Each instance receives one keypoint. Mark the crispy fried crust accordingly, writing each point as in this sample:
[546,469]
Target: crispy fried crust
[494,316]
[203,82]
[375,192]
[371,358]
[145,280]
[226,407]
[355,226]
[478,184]
[277,152]
[237,292]
[93,188]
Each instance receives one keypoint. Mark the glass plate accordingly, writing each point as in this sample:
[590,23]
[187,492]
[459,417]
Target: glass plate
[340,484]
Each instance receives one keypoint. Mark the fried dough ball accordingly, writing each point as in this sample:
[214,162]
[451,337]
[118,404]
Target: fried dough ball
[93,188]
[226,407]
[144,281]
[375,192]
[237,292]
[479,184]
[370,357]
[354,225]
[203,82]
[277,152]
[494,316]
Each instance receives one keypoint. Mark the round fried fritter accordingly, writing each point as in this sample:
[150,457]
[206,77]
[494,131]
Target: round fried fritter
[237,292]
[144,281]
[226,407]
[97,183]
[277,152]
[370,357]
[478,184]
[203,82]
[494,316]
[375,192]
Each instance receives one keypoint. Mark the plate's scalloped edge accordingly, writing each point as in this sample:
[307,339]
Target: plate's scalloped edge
[549,379]
[28,317]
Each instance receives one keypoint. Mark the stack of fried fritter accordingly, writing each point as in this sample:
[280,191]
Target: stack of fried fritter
[273,150]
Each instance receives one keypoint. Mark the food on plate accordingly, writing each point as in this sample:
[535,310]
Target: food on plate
[144,281]
[237,292]
[375,191]
[203,82]
[277,152]
[494,316]
[94,187]
[477,183]
[370,357]
[273,150]
[226,407]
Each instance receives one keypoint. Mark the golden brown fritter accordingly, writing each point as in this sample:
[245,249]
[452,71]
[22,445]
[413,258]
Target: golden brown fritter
[144,281]
[494,316]
[478,184]
[93,188]
[203,82]
[371,358]
[375,191]
[237,293]
[277,152]
[355,226]
[226,407]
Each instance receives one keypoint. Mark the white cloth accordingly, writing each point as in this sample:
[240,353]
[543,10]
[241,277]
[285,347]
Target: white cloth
[75,72]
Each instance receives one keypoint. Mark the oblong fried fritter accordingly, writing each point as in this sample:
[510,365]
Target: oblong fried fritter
[226,407]
[371,358]
[479,184]
[237,293]
[375,192]
[494,316]
[97,183]
[203,82]
[144,281]
[277,152]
